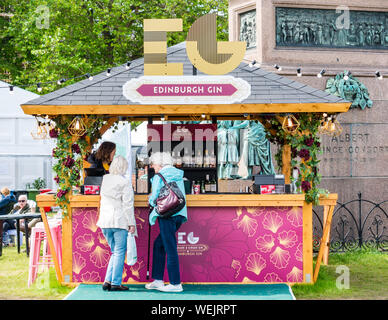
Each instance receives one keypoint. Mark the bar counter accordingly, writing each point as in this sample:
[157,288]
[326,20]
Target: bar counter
[228,238]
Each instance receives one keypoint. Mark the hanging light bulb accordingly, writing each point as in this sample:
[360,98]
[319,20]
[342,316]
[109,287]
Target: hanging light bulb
[108,72]
[346,75]
[162,118]
[39,88]
[252,63]
[299,72]
[290,124]
[11,90]
[60,81]
[127,65]
[89,76]
[41,131]
[77,127]
[323,126]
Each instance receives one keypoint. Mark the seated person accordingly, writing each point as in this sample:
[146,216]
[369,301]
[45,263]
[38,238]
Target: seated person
[23,207]
[7,202]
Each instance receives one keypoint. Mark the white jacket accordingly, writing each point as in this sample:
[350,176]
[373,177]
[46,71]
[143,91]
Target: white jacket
[117,203]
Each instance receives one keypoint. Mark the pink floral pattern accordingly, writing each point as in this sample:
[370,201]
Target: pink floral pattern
[230,244]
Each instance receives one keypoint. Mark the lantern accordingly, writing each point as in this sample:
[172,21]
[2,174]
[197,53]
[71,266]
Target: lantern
[77,127]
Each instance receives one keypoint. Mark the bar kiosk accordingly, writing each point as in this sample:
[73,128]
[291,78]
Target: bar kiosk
[228,238]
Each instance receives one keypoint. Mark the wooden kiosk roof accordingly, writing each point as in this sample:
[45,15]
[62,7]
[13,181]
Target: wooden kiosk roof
[270,93]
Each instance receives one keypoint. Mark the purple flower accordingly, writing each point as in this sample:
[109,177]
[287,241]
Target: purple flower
[304,153]
[69,161]
[61,193]
[76,149]
[309,142]
[318,144]
[53,133]
[53,153]
[56,179]
[306,186]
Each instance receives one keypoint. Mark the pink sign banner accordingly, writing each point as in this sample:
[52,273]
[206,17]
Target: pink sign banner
[190,90]
[186,90]
[230,244]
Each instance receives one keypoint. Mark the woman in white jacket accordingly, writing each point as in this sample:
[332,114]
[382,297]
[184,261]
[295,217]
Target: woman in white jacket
[116,219]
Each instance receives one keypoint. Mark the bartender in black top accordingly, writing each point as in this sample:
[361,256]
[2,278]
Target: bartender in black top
[103,157]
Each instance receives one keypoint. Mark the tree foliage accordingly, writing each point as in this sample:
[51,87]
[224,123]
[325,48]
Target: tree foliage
[47,40]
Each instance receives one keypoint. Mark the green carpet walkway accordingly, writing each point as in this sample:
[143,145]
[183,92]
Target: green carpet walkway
[191,292]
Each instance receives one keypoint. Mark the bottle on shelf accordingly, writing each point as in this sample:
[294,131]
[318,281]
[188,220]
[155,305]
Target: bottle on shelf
[192,159]
[196,189]
[187,159]
[203,190]
[213,185]
[179,161]
[207,184]
[206,159]
[212,161]
[199,159]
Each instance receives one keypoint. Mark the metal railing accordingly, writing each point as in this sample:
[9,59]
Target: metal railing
[356,224]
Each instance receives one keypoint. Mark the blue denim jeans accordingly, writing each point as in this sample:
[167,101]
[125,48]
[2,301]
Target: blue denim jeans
[165,244]
[117,240]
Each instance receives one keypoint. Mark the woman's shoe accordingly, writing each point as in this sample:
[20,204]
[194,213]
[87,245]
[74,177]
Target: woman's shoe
[106,286]
[118,288]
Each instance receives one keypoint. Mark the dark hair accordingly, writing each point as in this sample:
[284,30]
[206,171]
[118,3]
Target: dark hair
[104,151]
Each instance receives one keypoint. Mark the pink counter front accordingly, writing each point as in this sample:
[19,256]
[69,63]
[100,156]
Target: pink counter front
[227,239]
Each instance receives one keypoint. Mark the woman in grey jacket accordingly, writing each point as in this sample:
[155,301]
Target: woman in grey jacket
[116,219]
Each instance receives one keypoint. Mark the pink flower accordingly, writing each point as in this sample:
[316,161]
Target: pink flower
[61,193]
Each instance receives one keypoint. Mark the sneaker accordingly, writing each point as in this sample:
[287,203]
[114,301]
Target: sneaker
[171,288]
[155,284]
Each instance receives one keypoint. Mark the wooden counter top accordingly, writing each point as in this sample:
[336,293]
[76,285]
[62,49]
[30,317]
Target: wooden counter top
[201,200]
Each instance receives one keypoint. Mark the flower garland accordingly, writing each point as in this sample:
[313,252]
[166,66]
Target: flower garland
[305,148]
[69,154]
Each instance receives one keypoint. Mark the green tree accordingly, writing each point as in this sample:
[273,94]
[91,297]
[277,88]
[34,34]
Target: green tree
[86,36]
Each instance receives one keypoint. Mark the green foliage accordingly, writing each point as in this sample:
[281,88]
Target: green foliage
[305,148]
[37,184]
[86,36]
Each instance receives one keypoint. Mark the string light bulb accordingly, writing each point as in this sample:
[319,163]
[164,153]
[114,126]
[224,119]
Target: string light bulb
[346,75]
[108,72]
[321,73]
[89,76]
[41,131]
[127,65]
[11,90]
[379,75]
[252,63]
[278,68]
[38,87]
[299,72]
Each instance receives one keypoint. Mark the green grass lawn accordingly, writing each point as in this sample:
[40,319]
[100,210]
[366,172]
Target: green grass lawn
[368,278]
[14,277]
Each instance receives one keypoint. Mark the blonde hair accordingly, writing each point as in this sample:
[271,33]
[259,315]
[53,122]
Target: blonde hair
[118,166]
[5,191]
[162,159]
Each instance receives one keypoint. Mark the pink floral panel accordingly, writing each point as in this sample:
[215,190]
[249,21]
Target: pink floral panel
[216,244]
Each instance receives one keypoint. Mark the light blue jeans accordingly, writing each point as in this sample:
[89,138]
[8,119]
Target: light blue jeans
[117,240]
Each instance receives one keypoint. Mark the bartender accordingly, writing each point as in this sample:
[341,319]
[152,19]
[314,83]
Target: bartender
[103,157]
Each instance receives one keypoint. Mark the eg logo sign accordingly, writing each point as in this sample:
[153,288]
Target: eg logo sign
[204,51]
[190,238]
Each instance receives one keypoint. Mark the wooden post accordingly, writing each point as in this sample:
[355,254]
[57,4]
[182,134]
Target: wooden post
[324,241]
[307,242]
[325,259]
[67,247]
[286,163]
[51,245]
